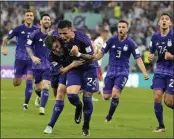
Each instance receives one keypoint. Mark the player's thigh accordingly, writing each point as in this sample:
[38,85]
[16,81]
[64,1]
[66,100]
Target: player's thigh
[19,70]
[61,92]
[169,92]
[29,71]
[17,81]
[158,83]
[119,83]
[108,86]
[37,73]
[90,80]
[73,80]
[158,86]
[46,78]
[54,81]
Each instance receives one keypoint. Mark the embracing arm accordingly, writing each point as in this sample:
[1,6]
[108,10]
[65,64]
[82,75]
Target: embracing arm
[74,64]
[30,52]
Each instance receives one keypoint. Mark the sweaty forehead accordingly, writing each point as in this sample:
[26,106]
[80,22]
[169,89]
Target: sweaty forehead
[29,13]
[122,24]
[164,16]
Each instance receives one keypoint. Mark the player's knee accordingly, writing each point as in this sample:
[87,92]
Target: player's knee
[169,102]
[106,97]
[29,77]
[87,94]
[45,84]
[158,97]
[73,89]
[115,93]
[17,82]
[60,96]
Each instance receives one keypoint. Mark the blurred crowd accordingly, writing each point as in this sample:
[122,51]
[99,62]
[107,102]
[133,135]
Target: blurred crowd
[141,15]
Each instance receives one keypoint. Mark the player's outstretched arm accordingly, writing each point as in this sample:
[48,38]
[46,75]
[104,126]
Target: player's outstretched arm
[168,56]
[35,59]
[74,64]
[99,55]
[142,68]
[3,47]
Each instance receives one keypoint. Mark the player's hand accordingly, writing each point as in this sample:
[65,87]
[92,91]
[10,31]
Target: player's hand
[74,50]
[63,70]
[36,60]
[77,63]
[146,76]
[150,57]
[4,51]
[168,56]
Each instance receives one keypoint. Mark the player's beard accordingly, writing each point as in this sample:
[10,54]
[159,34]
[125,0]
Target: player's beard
[46,26]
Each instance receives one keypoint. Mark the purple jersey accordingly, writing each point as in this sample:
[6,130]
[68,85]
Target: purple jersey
[162,44]
[84,44]
[36,43]
[21,33]
[119,54]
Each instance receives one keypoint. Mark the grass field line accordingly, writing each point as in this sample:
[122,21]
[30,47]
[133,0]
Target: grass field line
[5,98]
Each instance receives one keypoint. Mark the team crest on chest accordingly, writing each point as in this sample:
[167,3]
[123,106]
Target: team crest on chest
[125,48]
[169,43]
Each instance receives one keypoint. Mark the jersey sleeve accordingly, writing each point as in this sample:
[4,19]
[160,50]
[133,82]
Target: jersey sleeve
[106,47]
[13,32]
[31,40]
[135,50]
[152,47]
[88,45]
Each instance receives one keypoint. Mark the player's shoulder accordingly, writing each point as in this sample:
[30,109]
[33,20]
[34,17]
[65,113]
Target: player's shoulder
[155,35]
[35,33]
[112,39]
[19,27]
[130,40]
[81,36]
[35,27]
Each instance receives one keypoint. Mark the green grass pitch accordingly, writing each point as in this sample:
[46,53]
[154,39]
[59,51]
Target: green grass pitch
[134,117]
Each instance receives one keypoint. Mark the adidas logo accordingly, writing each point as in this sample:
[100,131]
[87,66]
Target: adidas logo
[22,32]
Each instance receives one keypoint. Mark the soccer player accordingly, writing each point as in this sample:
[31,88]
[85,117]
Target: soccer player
[99,42]
[38,52]
[120,48]
[85,76]
[23,63]
[62,56]
[163,80]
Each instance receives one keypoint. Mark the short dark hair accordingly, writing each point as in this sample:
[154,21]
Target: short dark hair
[44,15]
[28,11]
[167,15]
[49,40]
[124,21]
[64,23]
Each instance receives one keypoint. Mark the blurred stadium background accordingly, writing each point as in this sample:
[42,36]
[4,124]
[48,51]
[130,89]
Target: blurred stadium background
[87,16]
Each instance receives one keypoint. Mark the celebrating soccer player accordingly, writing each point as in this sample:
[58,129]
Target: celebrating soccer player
[120,48]
[41,66]
[61,55]
[84,77]
[23,63]
[163,80]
